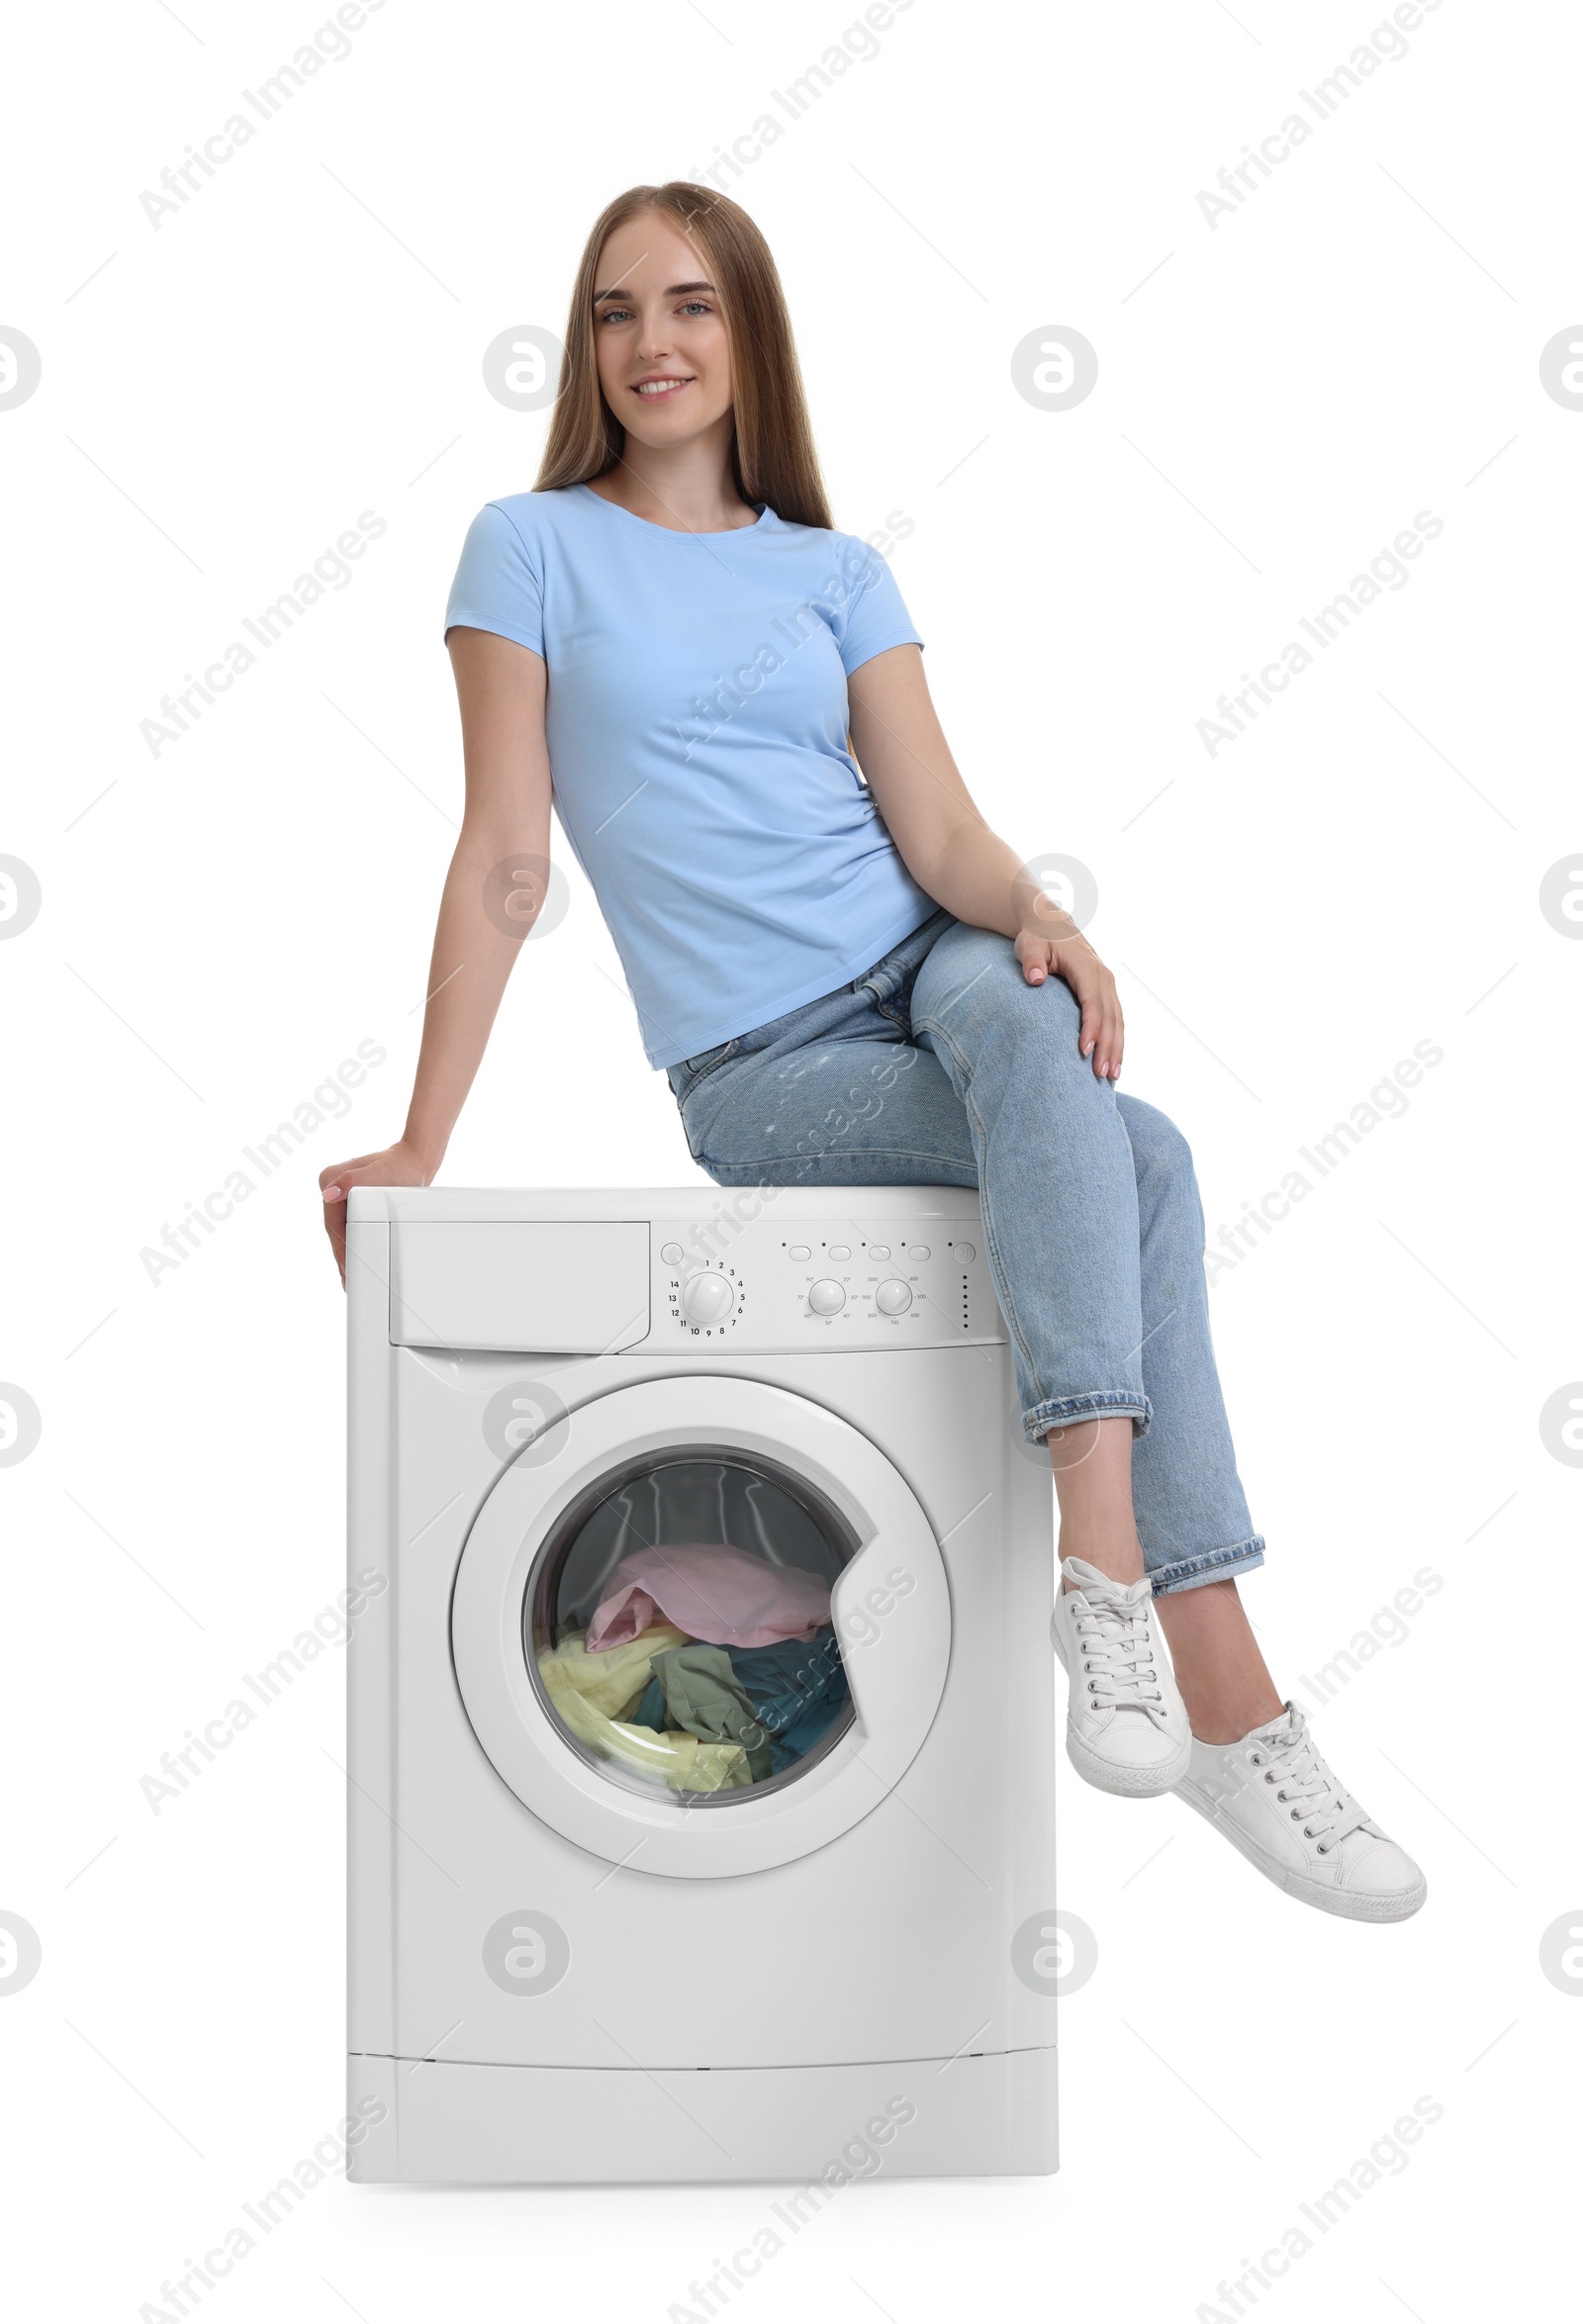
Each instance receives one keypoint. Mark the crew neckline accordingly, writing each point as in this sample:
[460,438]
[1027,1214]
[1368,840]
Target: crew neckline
[718,532]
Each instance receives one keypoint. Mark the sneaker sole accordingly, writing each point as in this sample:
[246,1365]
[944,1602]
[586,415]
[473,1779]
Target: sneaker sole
[1127,1783]
[1346,1905]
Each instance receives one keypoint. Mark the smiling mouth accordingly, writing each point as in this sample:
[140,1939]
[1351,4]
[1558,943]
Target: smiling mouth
[654,389]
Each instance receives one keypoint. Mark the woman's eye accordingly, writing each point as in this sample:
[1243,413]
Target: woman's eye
[616,315]
[694,307]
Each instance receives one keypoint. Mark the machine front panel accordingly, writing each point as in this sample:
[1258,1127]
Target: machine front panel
[780,1283]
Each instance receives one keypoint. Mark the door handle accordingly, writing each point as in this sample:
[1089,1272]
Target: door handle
[892,1621]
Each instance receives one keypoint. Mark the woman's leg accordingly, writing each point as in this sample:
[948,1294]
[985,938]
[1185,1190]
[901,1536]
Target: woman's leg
[1224,1681]
[1093,1231]
[1092,1464]
[1184,1473]
[1046,1136]
[1094,1220]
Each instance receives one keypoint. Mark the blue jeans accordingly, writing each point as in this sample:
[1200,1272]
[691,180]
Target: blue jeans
[941,1067]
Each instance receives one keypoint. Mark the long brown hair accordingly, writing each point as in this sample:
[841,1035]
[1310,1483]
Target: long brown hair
[772,459]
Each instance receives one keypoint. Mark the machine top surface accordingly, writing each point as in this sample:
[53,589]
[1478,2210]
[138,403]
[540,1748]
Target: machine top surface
[439,1205]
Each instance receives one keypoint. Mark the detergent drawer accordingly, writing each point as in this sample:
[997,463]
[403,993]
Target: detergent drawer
[566,1287]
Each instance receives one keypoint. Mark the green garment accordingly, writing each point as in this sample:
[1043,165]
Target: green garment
[704,1697]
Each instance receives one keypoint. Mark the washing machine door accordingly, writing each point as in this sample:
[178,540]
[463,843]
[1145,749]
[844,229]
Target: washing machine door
[657,1556]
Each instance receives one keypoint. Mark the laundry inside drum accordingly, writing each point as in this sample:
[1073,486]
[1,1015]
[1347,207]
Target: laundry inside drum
[678,1624]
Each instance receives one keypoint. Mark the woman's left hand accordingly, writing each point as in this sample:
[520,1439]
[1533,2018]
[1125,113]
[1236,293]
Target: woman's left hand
[1057,946]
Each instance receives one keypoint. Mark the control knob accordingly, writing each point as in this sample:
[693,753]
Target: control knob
[707,1297]
[893,1297]
[825,1297]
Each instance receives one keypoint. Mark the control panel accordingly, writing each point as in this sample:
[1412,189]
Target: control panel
[777,1284]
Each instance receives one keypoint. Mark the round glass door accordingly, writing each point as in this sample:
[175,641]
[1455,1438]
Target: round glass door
[677,1625]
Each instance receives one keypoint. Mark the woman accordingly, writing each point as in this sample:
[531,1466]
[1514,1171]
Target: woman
[849,979]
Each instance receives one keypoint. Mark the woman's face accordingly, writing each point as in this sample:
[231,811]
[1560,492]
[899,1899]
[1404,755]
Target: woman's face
[664,361]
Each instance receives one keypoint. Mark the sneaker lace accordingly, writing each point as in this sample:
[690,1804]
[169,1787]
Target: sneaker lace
[1307,1788]
[1117,1651]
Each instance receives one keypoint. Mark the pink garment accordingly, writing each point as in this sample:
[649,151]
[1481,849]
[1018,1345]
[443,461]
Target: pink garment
[714,1592]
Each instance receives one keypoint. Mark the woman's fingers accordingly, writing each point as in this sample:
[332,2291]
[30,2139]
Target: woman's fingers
[1107,1043]
[1101,1031]
[1113,1041]
[334,1183]
[334,1201]
[333,1187]
[1087,979]
[395,1165]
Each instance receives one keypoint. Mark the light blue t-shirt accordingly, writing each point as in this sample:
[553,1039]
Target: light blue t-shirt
[697,721]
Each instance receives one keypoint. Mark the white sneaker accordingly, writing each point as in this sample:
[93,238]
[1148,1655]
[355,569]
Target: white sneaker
[1126,1724]
[1273,1798]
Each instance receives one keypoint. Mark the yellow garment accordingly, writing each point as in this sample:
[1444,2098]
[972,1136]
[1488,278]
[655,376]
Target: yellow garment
[580,1685]
[616,1680]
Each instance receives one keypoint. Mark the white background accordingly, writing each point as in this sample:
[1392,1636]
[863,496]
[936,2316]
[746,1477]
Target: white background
[221,397]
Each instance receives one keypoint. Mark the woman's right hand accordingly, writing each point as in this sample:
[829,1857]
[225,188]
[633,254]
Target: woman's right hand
[1049,944]
[399,1164]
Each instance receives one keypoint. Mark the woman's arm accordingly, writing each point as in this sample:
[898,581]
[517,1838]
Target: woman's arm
[500,688]
[953,853]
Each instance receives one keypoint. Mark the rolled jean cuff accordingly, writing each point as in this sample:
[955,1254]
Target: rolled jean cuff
[1057,1412]
[1210,1565]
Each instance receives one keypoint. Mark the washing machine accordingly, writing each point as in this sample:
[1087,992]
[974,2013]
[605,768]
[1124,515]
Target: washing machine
[597,1938]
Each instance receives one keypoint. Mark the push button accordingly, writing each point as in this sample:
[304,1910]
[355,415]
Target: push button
[799,1250]
[840,1251]
[917,1251]
[878,1250]
[671,1252]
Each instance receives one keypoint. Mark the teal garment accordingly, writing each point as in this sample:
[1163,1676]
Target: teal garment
[693,1688]
[796,1689]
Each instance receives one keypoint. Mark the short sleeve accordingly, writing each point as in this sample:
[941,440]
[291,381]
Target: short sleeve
[497,586]
[874,617]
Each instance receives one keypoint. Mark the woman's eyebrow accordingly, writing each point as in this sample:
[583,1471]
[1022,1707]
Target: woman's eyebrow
[674,290]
